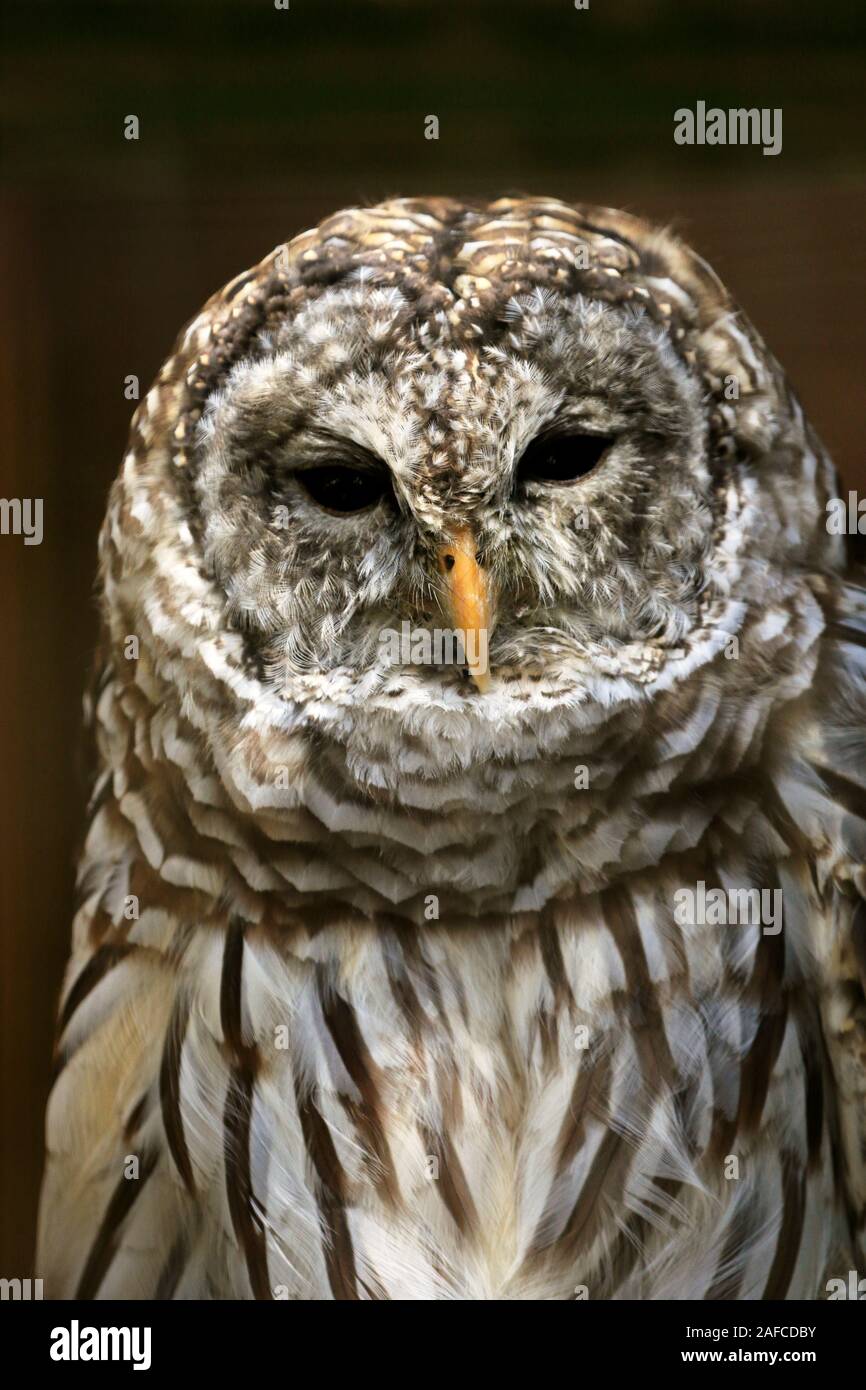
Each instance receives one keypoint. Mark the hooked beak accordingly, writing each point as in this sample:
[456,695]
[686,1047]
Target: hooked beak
[467,597]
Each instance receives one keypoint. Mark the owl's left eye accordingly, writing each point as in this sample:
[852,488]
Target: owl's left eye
[562,458]
[340,488]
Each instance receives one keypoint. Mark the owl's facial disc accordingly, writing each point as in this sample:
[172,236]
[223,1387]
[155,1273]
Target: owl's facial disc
[548,500]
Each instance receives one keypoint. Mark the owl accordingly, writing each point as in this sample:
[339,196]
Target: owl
[471,901]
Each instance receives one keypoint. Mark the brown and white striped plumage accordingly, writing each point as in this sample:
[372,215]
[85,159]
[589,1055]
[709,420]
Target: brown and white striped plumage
[329,1093]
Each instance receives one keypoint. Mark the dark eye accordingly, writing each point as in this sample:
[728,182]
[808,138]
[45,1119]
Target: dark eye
[562,458]
[342,488]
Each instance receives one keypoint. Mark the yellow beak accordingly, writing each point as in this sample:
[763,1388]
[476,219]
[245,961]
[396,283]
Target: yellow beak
[468,601]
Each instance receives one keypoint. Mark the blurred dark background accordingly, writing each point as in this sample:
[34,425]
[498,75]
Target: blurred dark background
[254,123]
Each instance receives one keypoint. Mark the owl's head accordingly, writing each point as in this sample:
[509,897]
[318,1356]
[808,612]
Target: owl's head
[460,483]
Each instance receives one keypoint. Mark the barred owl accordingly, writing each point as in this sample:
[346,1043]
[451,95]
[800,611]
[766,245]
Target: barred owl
[380,986]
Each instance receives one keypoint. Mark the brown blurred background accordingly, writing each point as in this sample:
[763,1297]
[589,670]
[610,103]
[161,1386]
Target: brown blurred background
[255,122]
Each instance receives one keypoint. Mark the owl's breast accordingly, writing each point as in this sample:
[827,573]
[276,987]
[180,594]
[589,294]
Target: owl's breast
[578,1102]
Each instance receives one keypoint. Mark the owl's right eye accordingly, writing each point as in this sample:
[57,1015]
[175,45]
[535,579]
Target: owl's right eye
[339,487]
[562,459]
